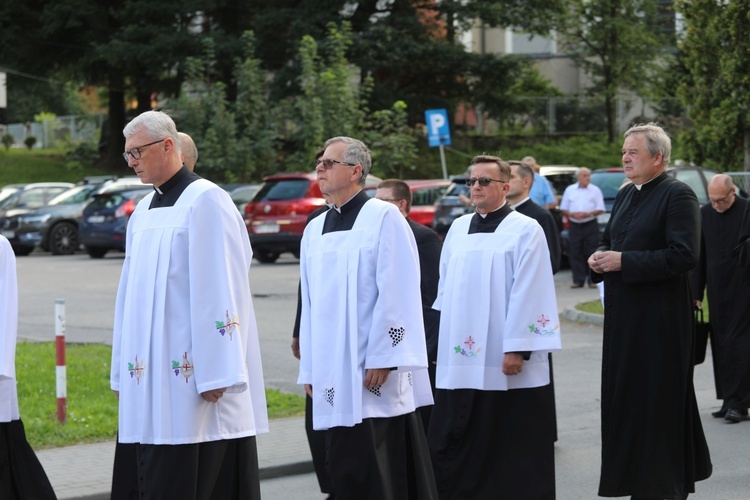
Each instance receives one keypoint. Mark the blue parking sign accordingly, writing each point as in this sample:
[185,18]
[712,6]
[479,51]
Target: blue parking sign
[438,129]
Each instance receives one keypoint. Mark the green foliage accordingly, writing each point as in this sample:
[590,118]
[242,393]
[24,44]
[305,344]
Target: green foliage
[716,83]
[29,142]
[8,141]
[43,165]
[392,142]
[615,41]
[91,404]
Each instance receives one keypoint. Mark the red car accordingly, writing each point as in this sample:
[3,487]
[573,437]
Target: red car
[424,194]
[276,216]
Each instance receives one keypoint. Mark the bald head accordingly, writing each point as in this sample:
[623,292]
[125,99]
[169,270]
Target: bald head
[189,150]
[721,192]
[530,161]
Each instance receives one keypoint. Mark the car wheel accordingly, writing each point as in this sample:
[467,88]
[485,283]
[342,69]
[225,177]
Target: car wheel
[266,257]
[96,252]
[22,251]
[63,239]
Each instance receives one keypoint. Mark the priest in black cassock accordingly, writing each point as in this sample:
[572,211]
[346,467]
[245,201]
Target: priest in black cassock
[727,284]
[653,444]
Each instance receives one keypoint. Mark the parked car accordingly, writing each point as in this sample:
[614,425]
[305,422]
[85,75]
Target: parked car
[424,194]
[449,207]
[54,227]
[241,195]
[22,200]
[610,180]
[276,216]
[104,221]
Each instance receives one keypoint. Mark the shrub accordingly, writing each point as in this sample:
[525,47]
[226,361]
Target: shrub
[8,141]
[30,141]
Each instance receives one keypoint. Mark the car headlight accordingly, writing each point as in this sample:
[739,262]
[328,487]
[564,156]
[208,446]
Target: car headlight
[35,219]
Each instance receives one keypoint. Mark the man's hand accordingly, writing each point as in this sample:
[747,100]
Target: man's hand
[308,389]
[512,363]
[376,376]
[213,395]
[605,262]
[699,304]
[295,347]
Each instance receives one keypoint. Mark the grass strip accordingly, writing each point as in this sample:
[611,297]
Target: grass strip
[91,405]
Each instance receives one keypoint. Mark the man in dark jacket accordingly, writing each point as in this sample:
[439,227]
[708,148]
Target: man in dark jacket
[653,444]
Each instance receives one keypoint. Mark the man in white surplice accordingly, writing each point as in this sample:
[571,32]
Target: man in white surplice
[362,343]
[185,354]
[491,420]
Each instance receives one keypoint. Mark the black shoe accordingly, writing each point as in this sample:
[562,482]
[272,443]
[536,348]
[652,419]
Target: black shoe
[720,413]
[735,416]
[576,285]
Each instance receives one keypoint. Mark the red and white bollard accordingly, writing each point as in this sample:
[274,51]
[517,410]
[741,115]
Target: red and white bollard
[62,381]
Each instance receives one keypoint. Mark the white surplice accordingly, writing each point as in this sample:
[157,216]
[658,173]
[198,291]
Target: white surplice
[496,295]
[362,308]
[185,324]
[8,332]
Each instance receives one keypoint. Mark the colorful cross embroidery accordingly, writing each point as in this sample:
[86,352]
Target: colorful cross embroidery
[186,367]
[543,331]
[227,326]
[543,320]
[471,353]
[136,369]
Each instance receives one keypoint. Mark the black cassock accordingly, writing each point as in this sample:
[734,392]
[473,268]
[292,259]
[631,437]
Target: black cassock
[653,444]
[727,284]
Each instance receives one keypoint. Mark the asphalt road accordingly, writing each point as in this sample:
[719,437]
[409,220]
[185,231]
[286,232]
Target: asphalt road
[89,287]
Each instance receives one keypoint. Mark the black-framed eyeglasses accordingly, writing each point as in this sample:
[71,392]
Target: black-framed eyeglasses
[136,152]
[483,181]
[328,163]
[722,200]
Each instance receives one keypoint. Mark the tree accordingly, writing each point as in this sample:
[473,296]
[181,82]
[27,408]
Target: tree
[617,44]
[716,88]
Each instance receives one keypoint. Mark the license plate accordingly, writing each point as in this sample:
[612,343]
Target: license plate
[603,218]
[266,228]
[8,234]
[96,219]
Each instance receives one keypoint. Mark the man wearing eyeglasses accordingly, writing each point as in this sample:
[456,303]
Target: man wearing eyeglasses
[362,343]
[185,355]
[727,284]
[491,433]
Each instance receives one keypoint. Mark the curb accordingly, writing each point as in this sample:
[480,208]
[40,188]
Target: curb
[583,317]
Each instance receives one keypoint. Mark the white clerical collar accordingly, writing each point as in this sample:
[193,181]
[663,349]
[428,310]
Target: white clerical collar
[338,209]
[498,208]
[519,203]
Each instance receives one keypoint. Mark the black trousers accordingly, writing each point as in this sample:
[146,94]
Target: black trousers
[584,238]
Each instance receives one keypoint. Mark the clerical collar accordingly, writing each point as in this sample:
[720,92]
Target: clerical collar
[661,175]
[168,193]
[173,181]
[494,214]
[343,208]
[519,203]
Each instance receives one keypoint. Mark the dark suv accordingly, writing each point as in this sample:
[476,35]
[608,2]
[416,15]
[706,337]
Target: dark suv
[276,216]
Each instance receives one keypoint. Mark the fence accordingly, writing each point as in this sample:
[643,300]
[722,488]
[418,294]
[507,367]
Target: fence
[58,132]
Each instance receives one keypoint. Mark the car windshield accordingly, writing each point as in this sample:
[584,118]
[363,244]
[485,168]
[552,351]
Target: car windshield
[77,194]
[282,189]
[458,188]
[5,194]
[608,182]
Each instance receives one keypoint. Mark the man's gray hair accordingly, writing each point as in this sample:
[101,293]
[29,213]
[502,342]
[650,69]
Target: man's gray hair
[156,125]
[356,152]
[657,140]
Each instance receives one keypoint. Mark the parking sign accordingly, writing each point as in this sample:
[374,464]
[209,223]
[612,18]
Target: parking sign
[438,129]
